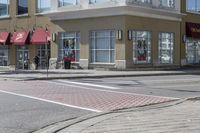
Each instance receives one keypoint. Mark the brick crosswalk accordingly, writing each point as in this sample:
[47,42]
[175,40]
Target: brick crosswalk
[94,99]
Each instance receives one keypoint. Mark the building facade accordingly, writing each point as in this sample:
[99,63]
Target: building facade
[97,33]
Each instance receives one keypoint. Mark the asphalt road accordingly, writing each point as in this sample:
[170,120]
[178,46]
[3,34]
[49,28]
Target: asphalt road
[178,86]
[24,115]
[21,114]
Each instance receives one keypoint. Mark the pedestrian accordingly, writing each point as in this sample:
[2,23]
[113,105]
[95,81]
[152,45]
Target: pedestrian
[36,61]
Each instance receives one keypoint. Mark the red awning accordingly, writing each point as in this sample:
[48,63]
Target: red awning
[20,38]
[41,36]
[4,37]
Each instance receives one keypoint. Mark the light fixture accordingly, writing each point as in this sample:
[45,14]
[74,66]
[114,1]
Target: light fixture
[119,35]
[130,35]
[54,37]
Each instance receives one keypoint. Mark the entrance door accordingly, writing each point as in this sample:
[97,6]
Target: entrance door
[22,57]
[43,60]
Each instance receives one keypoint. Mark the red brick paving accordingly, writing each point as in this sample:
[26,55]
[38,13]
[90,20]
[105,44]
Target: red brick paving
[85,98]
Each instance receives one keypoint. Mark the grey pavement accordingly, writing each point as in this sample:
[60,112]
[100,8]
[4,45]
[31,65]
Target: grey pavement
[177,117]
[85,73]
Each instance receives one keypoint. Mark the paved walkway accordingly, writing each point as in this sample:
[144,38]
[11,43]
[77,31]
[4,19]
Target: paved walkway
[180,118]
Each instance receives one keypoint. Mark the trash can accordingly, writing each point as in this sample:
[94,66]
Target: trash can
[67,63]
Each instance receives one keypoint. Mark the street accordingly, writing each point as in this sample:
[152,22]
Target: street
[27,106]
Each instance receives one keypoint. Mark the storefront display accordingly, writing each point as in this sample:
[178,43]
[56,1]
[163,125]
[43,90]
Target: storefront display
[141,47]
[193,43]
[69,46]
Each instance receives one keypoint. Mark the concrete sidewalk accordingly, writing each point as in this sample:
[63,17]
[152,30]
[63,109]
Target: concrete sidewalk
[74,73]
[177,117]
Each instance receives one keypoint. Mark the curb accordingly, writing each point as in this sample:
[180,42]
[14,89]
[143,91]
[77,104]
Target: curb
[62,125]
[112,76]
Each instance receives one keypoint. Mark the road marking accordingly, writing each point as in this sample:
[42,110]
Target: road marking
[119,92]
[49,101]
[89,84]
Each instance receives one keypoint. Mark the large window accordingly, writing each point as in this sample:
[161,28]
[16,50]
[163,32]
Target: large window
[102,47]
[193,51]
[69,46]
[4,55]
[167,3]
[193,5]
[166,48]
[4,7]
[43,5]
[22,7]
[62,3]
[145,1]
[141,47]
[99,1]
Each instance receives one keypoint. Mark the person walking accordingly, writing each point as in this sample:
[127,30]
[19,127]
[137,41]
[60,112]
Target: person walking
[36,61]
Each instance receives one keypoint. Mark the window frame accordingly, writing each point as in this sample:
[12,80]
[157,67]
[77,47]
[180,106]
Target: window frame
[171,49]
[61,4]
[7,10]
[148,49]
[63,35]
[40,9]
[196,7]
[110,50]
[23,14]
[171,6]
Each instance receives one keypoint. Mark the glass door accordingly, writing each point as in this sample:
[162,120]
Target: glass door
[22,58]
[43,60]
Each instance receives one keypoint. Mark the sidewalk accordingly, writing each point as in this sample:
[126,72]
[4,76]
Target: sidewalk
[76,73]
[178,117]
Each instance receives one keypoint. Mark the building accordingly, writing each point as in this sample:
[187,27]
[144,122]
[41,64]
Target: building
[95,33]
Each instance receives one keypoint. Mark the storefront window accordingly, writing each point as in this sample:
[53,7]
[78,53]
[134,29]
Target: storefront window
[43,5]
[102,47]
[69,47]
[4,7]
[193,51]
[4,55]
[62,3]
[141,47]
[22,7]
[166,48]
[193,5]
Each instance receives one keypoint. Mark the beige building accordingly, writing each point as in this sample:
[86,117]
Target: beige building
[94,33]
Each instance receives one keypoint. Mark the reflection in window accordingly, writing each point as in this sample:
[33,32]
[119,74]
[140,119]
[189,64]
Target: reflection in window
[102,47]
[141,47]
[193,5]
[4,7]
[43,5]
[22,7]
[62,3]
[166,48]
[69,46]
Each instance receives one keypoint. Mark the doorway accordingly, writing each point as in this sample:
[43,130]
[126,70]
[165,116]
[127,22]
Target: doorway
[22,57]
[43,60]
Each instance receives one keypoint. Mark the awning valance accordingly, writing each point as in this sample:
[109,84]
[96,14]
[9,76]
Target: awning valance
[41,36]
[20,38]
[4,37]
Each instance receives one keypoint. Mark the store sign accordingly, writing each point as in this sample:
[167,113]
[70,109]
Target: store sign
[193,30]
